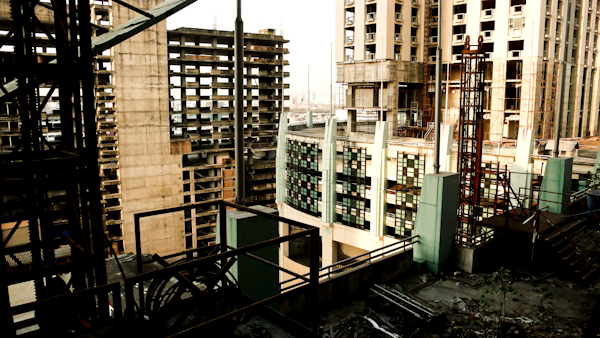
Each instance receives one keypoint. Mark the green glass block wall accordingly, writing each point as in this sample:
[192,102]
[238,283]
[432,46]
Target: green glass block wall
[303,177]
[353,179]
[409,180]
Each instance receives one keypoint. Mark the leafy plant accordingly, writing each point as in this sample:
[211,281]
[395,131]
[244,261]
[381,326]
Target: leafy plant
[502,285]
[593,182]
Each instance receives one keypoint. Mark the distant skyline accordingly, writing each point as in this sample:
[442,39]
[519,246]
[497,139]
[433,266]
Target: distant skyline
[308,24]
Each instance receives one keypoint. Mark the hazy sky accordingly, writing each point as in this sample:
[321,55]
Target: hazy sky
[308,24]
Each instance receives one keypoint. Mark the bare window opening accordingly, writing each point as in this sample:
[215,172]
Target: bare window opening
[514,69]
[488,26]
[457,49]
[489,48]
[370,49]
[350,15]
[513,96]
[459,9]
[349,54]
[515,45]
[459,29]
[488,4]
[518,2]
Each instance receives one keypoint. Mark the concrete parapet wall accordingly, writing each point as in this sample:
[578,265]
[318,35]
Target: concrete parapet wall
[468,259]
[347,284]
[400,71]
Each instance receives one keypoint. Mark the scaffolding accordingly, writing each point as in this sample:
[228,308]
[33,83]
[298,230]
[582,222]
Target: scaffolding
[51,186]
[470,143]
[546,93]
[427,106]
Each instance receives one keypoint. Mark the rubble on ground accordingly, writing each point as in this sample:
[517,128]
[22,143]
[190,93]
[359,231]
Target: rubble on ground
[545,305]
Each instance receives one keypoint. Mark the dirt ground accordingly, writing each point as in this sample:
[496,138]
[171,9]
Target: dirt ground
[541,307]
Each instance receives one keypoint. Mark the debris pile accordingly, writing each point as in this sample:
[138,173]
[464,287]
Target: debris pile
[389,312]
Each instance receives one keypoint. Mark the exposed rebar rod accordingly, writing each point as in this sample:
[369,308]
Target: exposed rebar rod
[449,66]
[381,84]
[438,94]
[240,193]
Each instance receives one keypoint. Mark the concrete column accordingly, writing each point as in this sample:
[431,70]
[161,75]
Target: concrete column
[329,174]
[309,120]
[556,184]
[351,120]
[522,168]
[379,179]
[392,119]
[280,165]
[446,140]
[597,164]
[329,253]
[436,221]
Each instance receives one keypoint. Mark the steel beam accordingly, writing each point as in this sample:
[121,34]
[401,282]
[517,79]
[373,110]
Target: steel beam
[240,172]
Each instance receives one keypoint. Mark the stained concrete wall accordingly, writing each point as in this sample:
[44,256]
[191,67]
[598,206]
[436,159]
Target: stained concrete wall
[400,71]
[347,284]
[150,175]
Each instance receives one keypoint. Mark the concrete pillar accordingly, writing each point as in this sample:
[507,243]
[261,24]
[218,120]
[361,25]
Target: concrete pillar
[556,184]
[280,165]
[329,253]
[329,175]
[597,164]
[351,120]
[436,221]
[379,179]
[522,168]
[446,140]
[244,228]
[309,122]
[392,119]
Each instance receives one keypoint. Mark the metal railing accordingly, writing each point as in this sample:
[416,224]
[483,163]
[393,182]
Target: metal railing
[223,255]
[341,266]
[87,307]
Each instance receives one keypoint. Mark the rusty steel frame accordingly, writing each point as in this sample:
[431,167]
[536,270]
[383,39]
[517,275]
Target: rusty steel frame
[35,167]
[223,256]
[470,141]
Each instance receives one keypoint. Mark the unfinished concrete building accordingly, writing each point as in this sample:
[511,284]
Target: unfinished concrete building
[164,118]
[201,96]
[527,42]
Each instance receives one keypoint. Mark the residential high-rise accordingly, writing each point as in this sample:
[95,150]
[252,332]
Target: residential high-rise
[529,45]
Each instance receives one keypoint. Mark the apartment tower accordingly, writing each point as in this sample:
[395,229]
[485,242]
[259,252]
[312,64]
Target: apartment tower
[541,58]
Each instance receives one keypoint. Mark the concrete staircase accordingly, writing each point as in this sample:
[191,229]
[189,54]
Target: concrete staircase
[577,246]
